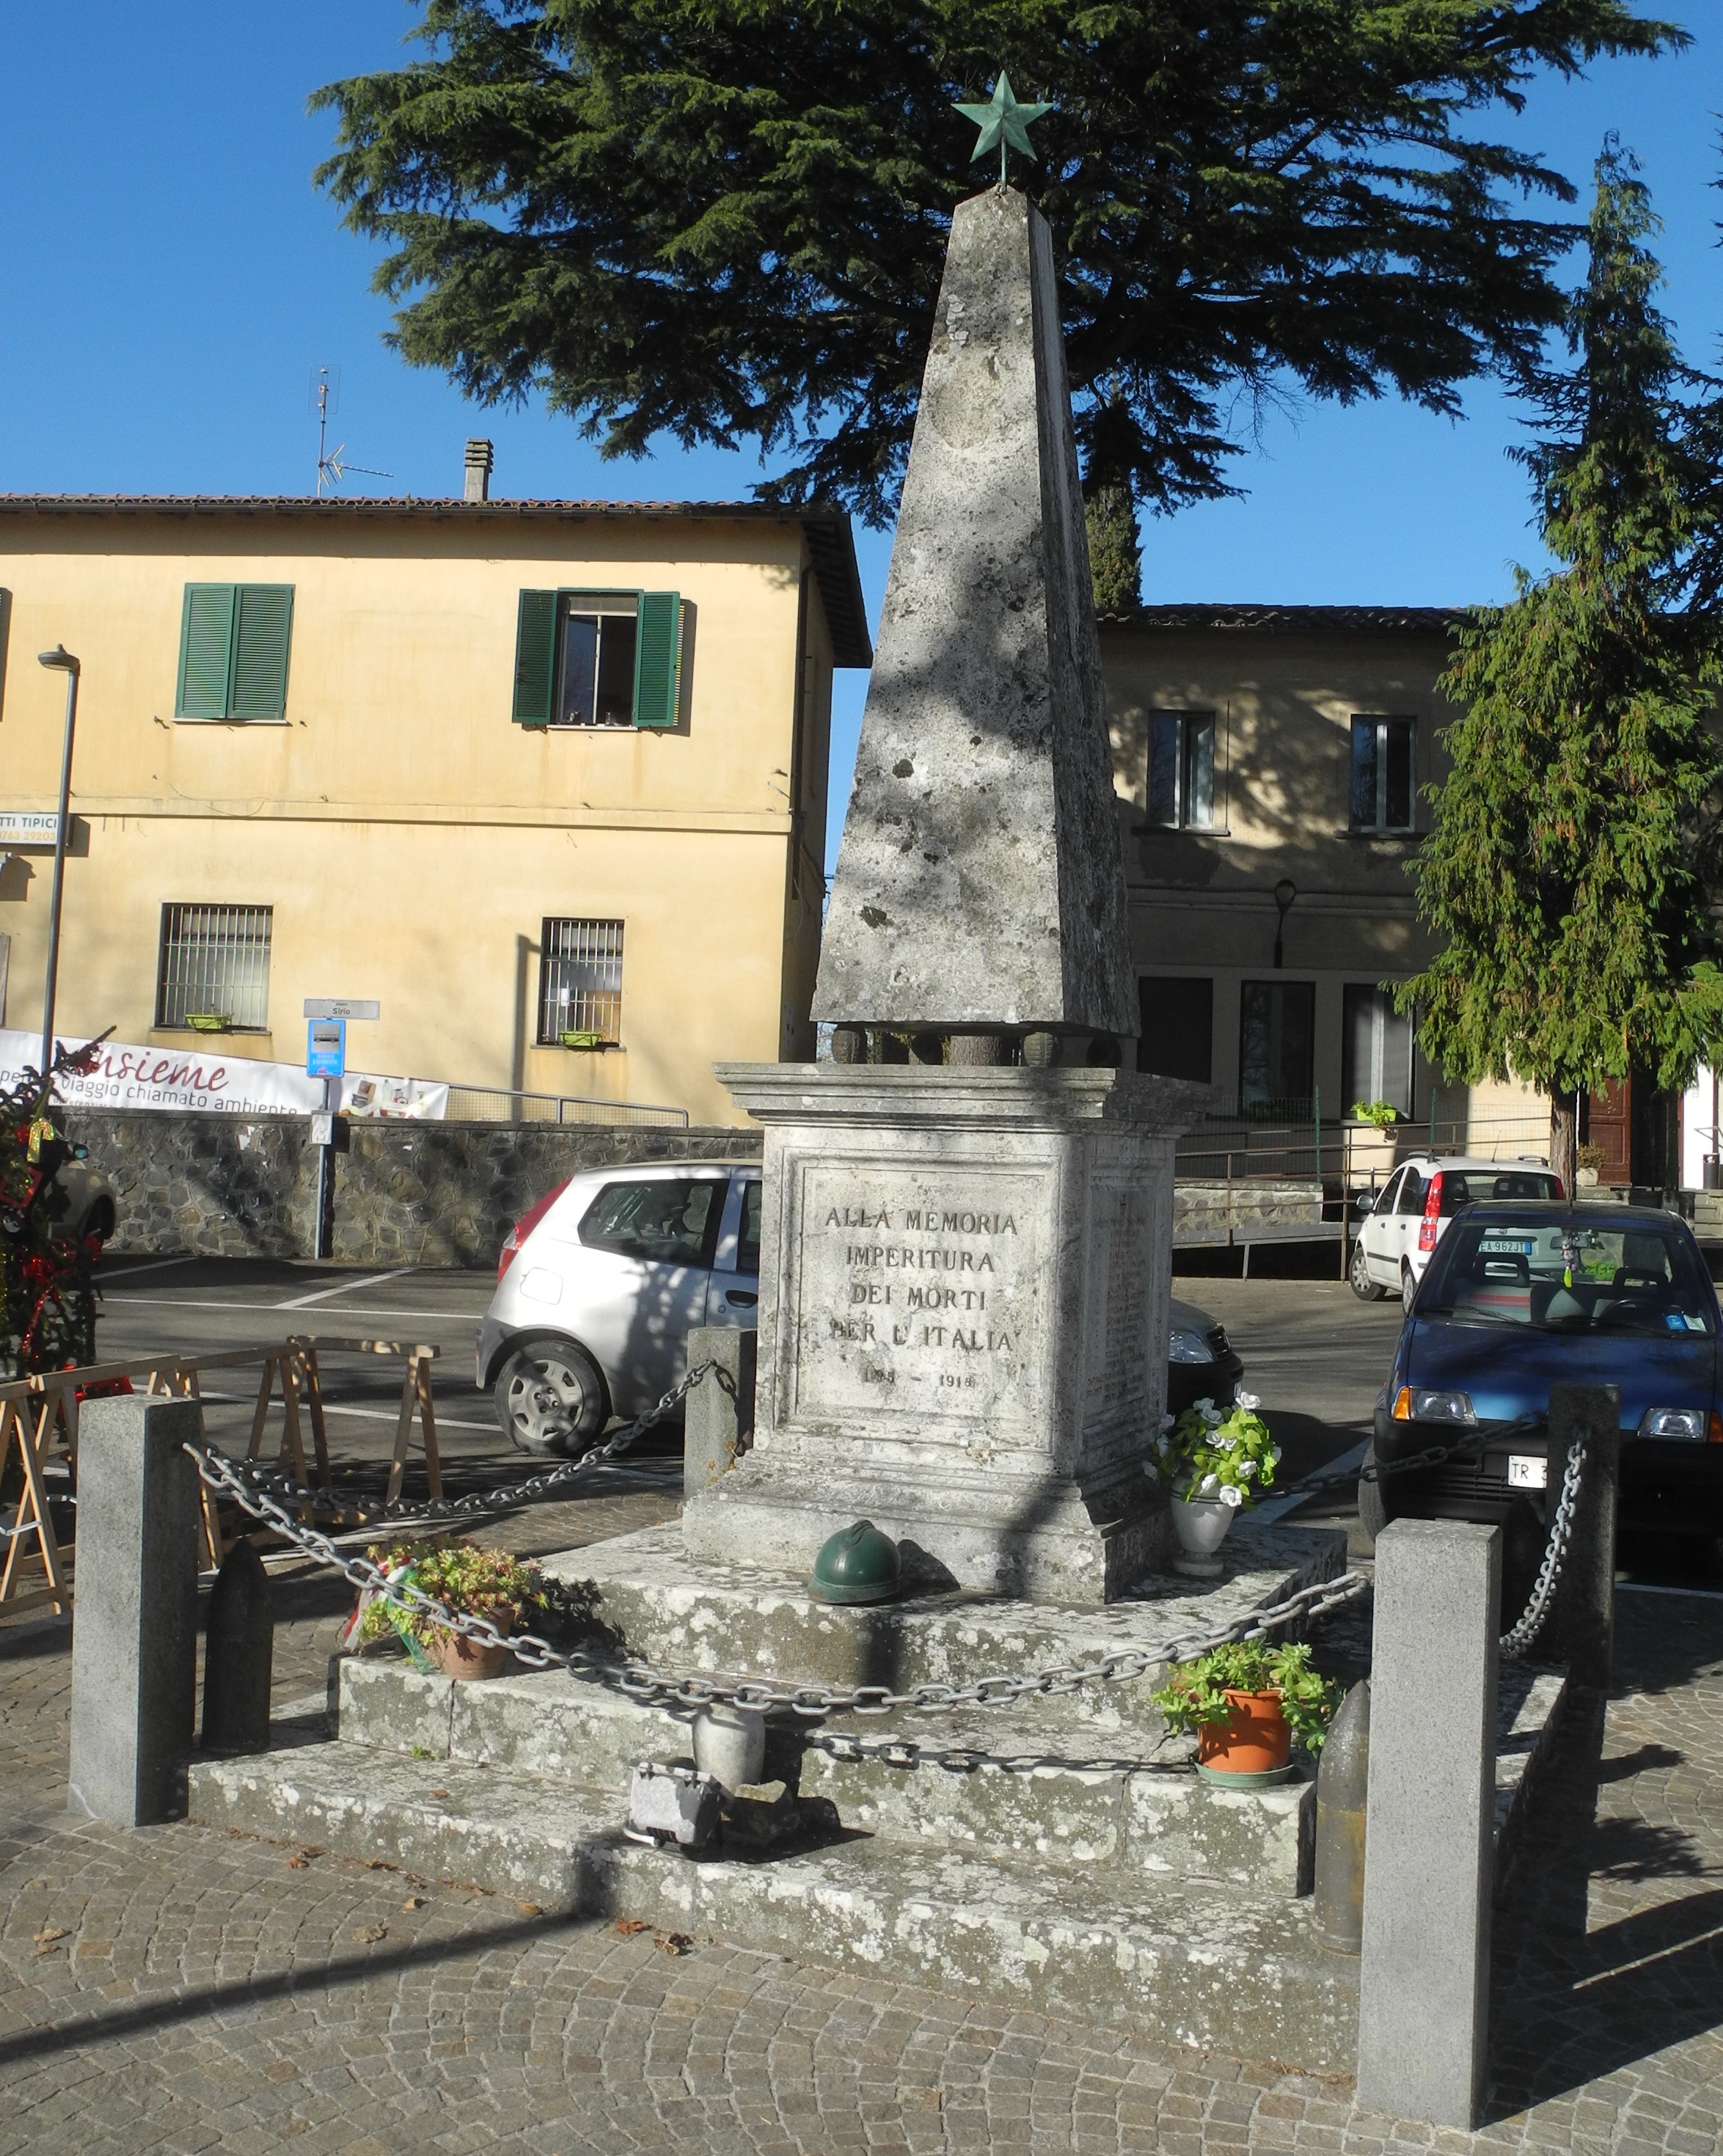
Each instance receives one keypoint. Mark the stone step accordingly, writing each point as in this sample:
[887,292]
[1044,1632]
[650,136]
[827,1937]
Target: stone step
[680,1614]
[1197,1964]
[1062,1796]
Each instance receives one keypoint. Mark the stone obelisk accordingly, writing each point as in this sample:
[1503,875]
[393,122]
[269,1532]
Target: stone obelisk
[980,881]
[965,1265]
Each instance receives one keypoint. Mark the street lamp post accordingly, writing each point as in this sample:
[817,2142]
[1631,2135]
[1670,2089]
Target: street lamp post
[1285,892]
[62,662]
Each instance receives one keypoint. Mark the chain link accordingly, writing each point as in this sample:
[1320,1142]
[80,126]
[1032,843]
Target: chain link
[694,1690]
[535,1487]
[1525,1630]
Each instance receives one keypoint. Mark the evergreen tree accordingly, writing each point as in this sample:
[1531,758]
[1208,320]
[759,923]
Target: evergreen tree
[724,220]
[1115,561]
[1564,878]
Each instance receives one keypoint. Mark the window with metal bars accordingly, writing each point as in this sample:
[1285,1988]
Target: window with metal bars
[580,981]
[215,963]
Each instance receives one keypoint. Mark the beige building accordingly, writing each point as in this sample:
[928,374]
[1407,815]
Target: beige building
[516,770]
[1257,747]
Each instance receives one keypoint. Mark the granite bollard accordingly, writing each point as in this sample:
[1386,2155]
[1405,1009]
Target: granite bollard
[1580,1630]
[134,1620]
[718,1421]
[1424,2010]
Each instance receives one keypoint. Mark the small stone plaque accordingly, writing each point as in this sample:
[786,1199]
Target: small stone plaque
[919,1293]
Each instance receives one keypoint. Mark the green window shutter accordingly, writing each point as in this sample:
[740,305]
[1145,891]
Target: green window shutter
[205,651]
[262,630]
[535,658]
[657,659]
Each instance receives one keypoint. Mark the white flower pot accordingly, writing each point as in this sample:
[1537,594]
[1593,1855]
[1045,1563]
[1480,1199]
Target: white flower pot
[1201,1524]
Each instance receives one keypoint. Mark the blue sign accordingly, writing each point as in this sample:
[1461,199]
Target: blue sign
[326,1048]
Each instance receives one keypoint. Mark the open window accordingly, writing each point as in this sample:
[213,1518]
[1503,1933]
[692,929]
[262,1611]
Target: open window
[598,658]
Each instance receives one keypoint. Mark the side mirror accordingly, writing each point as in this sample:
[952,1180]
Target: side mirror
[1363,1202]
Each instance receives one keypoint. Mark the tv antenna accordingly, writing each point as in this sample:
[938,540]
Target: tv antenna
[331,466]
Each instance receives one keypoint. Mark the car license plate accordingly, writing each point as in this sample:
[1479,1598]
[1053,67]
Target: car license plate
[1525,1472]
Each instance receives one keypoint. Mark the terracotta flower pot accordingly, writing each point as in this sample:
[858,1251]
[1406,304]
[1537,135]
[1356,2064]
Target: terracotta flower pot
[1254,1739]
[458,1656]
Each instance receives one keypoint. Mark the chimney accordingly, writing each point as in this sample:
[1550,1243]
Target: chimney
[478,462]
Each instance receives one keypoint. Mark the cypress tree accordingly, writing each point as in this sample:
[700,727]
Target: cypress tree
[1563,880]
[1115,561]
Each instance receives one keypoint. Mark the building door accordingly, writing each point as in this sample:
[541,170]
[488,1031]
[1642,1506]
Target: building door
[1176,1034]
[1375,1051]
[1277,1040]
[1637,1124]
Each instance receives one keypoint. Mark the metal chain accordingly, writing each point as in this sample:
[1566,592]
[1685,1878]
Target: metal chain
[1431,1455]
[1529,1623]
[699,1689]
[282,1486]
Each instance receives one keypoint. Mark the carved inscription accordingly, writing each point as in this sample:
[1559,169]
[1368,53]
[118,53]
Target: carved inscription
[1117,1357]
[918,1292]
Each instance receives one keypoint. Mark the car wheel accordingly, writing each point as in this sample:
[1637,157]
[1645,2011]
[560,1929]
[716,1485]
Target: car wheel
[1408,1285]
[1358,1276]
[550,1399]
[1374,1514]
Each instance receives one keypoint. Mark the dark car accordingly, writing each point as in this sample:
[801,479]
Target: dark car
[1516,1298]
[1202,1362]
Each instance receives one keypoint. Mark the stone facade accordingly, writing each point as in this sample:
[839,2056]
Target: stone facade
[407,1194]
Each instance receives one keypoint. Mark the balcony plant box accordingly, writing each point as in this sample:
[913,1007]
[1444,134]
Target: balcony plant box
[209,1021]
[1248,1703]
[463,1578]
[575,1039]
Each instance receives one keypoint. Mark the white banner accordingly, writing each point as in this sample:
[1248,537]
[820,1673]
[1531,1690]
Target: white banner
[128,1076]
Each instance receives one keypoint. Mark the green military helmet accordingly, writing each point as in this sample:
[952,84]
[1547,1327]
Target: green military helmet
[857,1564]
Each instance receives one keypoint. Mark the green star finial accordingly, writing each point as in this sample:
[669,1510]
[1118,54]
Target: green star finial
[1002,122]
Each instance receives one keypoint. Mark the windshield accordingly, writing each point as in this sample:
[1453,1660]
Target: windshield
[1568,1277]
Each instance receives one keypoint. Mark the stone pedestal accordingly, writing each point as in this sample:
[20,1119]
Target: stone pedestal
[963,1324]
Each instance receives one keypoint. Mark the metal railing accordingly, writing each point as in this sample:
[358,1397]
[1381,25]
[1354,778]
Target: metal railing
[1294,1142]
[502,1104]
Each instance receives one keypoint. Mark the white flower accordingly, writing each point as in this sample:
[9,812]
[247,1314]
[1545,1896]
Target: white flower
[1248,1401]
[1163,1447]
[1233,1443]
[1166,1422]
[1204,1405]
[1231,1497]
[1273,1455]
[1246,1469]
[1213,1417]
[1208,1486]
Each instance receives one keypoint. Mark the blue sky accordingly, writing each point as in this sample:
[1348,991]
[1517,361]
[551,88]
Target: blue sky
[171,278]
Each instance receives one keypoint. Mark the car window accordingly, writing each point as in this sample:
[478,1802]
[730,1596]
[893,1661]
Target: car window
[1569,1277]
[1481,1187]
[665,1223]
[1390,1192]
[747,1245]
[1412,1193]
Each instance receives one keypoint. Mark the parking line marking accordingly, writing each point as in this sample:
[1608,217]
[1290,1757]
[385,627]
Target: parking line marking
[262,1309]
[1273,1507]
[160,1265]
[1649,1586]
[345,1287]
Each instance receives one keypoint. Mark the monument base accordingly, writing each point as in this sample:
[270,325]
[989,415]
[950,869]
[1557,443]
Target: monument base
[964,1281]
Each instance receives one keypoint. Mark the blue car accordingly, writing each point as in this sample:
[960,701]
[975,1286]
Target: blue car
[1518,1297]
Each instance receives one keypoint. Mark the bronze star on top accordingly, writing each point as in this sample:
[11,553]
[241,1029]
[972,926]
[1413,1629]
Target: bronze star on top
[1003,123]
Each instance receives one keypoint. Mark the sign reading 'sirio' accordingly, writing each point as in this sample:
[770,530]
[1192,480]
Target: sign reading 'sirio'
[28,827]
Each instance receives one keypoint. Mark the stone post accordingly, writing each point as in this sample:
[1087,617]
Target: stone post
[1580,1630]
[719,1417]
[1424,2007]
[134,1617]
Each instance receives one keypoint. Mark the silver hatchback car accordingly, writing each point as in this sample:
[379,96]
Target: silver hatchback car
[597,1289]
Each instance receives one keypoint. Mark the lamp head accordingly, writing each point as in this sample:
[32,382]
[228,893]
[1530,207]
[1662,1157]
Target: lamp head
[60,659]
[1285,892]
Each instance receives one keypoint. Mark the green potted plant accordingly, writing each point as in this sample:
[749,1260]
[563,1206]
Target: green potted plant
[1249,1703]
[1212,1462]
[1380,1115]
[471,1581]
[1587,1161]
[581,1037]
[209,1021]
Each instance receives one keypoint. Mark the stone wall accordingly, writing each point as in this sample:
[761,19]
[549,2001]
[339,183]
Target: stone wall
[407,1194]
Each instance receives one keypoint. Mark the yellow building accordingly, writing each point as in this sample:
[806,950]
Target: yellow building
[514,769]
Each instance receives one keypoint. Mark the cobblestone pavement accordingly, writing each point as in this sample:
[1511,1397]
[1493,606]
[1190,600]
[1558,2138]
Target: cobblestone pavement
[180,1989]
